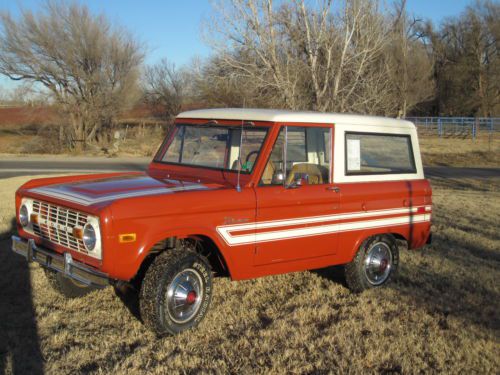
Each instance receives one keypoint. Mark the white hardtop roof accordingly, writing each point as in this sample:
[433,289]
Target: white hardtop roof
[275,115]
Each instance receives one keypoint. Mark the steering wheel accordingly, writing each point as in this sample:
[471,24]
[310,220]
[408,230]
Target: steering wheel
[250,154]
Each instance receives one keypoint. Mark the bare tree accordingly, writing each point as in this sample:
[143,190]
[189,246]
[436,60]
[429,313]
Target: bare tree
[215,86]
[360,82]
[87,65]
[339,49]
[249,40]
[165,87]
[311,57]
[466,53]
[218,85]
[411,69]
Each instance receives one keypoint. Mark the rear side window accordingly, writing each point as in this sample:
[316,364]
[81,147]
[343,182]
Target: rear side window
[378,154]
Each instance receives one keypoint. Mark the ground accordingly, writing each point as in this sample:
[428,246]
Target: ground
[440,315]
[483,151]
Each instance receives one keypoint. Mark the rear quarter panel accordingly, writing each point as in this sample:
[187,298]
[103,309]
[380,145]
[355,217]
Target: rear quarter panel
[371,196]
[381,191]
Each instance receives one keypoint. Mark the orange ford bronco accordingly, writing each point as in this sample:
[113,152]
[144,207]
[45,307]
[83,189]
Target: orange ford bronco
[242,193]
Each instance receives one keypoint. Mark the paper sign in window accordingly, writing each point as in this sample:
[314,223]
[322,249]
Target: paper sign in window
[353,155]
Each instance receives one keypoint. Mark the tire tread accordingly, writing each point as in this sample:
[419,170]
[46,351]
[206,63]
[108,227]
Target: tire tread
[354,272]
[163,267]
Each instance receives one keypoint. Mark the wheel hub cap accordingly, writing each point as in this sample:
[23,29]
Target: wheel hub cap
[184,296]
[378,263]
[383,265]
[191,297]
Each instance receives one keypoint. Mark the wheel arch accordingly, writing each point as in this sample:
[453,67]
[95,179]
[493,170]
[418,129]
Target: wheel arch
[215,256]
[366,235]
[166,241]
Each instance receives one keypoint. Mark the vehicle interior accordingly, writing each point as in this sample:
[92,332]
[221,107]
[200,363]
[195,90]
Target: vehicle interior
[301,155]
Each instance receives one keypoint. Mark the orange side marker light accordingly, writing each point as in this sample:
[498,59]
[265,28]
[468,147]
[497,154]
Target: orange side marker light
[127,237]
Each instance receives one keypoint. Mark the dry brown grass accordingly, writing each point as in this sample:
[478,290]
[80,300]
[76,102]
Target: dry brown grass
[133,141]
[457,152]
[441,315]
[13,139]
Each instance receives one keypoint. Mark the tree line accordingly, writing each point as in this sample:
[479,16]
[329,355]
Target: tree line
[348,56]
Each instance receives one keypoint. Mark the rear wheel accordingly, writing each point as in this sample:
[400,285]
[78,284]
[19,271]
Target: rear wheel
[375,264]
[176,292]
[65,286]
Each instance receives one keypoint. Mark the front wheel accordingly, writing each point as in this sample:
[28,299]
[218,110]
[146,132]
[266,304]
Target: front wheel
[374,265]
[65,286]
[176,292]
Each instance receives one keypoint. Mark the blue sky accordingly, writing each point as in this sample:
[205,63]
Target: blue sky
[171,28]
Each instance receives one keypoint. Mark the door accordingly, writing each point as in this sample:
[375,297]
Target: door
[296,201]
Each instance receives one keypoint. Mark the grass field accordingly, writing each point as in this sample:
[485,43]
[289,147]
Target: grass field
[457,152]
[441,315]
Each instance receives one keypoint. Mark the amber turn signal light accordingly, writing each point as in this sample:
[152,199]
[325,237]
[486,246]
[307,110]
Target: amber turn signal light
[34,218]
[127,237]
[78,233]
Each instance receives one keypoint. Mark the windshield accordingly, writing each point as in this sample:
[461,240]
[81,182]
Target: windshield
[215,147]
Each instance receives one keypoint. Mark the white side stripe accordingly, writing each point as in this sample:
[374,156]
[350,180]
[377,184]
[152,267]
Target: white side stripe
[319,219]
[232,239]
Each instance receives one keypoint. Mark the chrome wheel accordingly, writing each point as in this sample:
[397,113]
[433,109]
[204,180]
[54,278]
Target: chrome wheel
[184,295]
[378,263]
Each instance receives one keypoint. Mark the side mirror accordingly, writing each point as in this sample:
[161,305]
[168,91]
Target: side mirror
[278,178]
[299,180]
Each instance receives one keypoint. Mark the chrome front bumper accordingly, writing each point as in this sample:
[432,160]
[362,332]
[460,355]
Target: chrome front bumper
[56,262]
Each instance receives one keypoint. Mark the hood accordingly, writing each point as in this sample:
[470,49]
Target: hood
[101,190]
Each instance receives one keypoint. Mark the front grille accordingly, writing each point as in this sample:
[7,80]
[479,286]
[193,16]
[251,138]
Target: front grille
[56,224]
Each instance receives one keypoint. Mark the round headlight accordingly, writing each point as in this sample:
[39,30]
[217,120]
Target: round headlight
[24,215]
[89,237]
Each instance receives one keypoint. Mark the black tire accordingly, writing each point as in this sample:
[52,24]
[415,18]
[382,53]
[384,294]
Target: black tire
[69,288]
[159,284]
[361,274]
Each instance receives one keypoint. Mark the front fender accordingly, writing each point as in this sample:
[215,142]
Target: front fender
[183,214]
[128,257]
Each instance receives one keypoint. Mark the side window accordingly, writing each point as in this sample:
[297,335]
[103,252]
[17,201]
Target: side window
[378,154]
[300,155]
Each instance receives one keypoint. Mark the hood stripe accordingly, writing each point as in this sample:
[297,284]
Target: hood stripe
[85,200]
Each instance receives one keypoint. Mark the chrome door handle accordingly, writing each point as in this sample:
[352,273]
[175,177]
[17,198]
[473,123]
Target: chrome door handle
[334,188]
